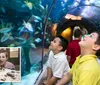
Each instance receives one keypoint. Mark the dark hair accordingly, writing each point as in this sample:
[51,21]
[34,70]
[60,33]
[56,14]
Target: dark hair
[4,51]
[63,42]
[98,42]
[77,33]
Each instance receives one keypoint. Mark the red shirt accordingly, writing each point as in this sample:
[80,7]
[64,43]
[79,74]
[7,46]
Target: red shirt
[73,50]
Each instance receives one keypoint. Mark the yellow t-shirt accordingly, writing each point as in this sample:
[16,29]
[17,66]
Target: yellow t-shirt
[86,71]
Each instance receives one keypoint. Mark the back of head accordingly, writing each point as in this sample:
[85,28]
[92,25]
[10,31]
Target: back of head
[63,42]
[98,42]
[77,33]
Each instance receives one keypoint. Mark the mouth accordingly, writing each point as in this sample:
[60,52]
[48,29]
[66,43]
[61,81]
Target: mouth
[1,61]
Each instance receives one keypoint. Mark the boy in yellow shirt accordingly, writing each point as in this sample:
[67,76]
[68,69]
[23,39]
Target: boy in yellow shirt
[86,69]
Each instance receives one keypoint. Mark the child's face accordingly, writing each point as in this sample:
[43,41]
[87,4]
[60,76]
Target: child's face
[89,41]
[3,58]
[55,44]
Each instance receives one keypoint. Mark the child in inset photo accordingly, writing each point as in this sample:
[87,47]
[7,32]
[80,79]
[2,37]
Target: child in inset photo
[10,64]
[4,63]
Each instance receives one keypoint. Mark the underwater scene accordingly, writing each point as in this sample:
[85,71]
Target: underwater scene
[32,24]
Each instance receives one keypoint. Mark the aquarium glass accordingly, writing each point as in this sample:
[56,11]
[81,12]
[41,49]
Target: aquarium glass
[31,25]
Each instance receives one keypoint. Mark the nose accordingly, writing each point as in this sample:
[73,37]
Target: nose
[51,41]
[1,58]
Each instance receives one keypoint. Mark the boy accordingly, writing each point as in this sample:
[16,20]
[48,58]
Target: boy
[73,49]
[3,60]
[57,62]
[86,69]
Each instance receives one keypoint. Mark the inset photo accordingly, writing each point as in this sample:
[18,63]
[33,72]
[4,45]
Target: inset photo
[10,64]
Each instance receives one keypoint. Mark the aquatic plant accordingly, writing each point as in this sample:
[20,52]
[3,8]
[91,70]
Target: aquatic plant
[28,33]
[33,4]
[5,31]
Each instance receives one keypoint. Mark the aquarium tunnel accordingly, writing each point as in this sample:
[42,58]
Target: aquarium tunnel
[32,24]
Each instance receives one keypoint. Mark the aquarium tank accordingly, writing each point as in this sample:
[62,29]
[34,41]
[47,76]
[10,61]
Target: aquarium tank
[32,24]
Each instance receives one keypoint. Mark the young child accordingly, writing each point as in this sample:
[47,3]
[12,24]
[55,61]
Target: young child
[3,60]
[57,61]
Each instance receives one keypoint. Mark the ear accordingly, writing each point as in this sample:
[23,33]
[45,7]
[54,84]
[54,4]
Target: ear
[60,48]
[96,47]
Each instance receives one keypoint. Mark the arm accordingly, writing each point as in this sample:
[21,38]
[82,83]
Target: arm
[69,52]
[49,73]
[68,58]
[58,72]
[49,70]
[66,78]
[51,81]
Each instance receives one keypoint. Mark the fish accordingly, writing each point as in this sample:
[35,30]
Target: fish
[40,25]
[5,30]
[37,17]
[41,6]
[33,45]
[29,5]
[28,26]
[62,4]
[11,38]
[37,40]
[46,7]
[21,40]
[37,32]
[4,37]
[24,5]
[65,1]
[3,9]
[47,40]
[36,20]
[39,28]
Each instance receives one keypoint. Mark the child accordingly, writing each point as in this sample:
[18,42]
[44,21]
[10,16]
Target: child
[57,62]
[73,49]
[3,60]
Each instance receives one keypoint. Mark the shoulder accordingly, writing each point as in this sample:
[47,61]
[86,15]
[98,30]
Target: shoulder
[9,65]
[91,65]
[75,41]
[62,56]
[51,53]
[71,43]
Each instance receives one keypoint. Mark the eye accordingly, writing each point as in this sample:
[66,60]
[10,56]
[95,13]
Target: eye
[53,40]
[3,56]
